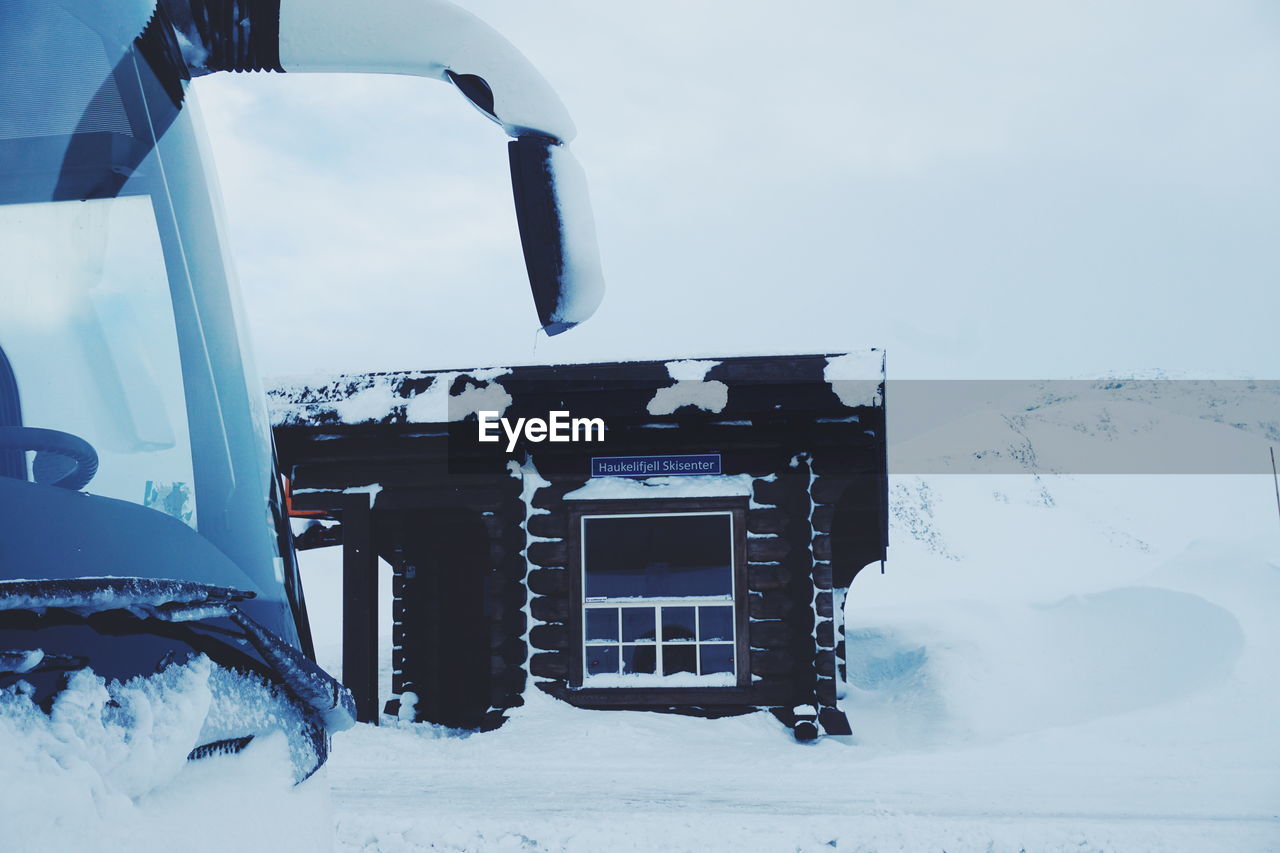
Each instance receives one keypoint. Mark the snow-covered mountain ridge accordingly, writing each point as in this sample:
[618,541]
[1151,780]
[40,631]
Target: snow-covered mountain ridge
[1123,620]
[1111,426]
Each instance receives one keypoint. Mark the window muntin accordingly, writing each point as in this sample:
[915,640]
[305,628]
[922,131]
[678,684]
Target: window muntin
[658,599]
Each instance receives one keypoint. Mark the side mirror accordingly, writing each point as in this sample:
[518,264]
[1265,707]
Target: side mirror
[557,232]
[440,40]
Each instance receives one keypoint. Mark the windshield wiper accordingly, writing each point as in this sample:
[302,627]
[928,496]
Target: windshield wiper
[23,661]
[184,601]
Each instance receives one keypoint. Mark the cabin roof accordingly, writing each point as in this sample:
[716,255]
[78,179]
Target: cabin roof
[805,386]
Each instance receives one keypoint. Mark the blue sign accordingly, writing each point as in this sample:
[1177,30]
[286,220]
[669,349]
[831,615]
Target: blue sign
[655,466]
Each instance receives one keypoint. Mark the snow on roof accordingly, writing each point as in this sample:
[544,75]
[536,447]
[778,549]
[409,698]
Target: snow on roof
[406,397]
[443,396]
[692,388]
[857,377]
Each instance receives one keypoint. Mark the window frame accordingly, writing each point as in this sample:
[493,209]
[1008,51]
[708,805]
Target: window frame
[736,509]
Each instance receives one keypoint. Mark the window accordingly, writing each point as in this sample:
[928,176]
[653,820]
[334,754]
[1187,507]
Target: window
[658,592]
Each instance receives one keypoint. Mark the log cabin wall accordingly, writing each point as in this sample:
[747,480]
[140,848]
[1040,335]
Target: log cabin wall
[484,544]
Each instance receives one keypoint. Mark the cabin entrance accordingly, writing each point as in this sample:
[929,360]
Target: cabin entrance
[441,620]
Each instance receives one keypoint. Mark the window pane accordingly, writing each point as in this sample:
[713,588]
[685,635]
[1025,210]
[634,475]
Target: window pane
[602,623]
[715,623]
[679,658]
[602,659]
[637,624]
[717,657]
[657,557]
[677,623]
[639,659]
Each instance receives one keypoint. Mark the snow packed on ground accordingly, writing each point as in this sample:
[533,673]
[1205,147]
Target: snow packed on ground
[1049,663]
[108,770]
[1043,682]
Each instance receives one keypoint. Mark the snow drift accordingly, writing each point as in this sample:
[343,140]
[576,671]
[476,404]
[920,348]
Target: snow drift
[1051,662]
[107,768]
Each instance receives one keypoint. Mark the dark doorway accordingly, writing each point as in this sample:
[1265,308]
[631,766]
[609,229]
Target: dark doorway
[444,624]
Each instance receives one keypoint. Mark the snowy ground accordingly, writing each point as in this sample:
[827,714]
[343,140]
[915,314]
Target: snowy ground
[1135,713]
[1073,663]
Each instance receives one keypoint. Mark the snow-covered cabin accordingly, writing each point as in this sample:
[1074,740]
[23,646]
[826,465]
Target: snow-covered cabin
[690,555]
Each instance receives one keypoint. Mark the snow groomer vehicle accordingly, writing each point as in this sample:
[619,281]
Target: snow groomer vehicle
[141,523]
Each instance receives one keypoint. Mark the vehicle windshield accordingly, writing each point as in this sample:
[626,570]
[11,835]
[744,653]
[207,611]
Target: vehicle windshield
[118,323]
[90,337]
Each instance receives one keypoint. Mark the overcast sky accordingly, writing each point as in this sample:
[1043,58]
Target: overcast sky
[985,189]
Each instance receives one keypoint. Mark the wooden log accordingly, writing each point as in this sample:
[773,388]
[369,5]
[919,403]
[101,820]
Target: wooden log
[498,635]
[553,637]
[511,680]
[771,520]
[514,623]
[789,492]
[829,489]
[546,608]
[511,595]
[806,727]
[493,719]
[511,567]
[547,554]
[549,581]
[765,550]
[767,577]
[511,487]
[500,610]
[514,651]
[825,663]
[834,721]
[494,524]
[734,443]
[549,665]
[826,633]
[511,509]
[772,493]
[553,525]
[502,698]
[771,662]
[772,604]
[552,497]
[773,634]
[847,461]
[511,538]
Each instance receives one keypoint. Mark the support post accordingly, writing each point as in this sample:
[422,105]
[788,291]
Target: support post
[360,607]
[359,594]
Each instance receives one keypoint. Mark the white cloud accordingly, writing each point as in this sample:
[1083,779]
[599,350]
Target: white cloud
[994,188]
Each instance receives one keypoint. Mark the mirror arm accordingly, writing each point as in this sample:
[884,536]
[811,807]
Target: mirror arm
[426,38]
[438,40]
